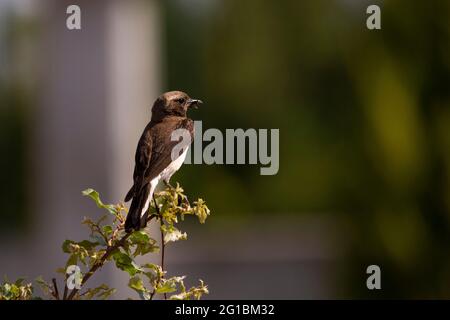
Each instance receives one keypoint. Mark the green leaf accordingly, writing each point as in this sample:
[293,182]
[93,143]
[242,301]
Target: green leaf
[45,287]
[79,251]
[101,292]
[139,237]
[88,245]
[90,293]
[107,293]
[94,195]
[125,263]
[107,230]
[66,246]
[144,244]
[136,284]
[73,260]
[155,272]
[19,281]
[166,287]
[170,285]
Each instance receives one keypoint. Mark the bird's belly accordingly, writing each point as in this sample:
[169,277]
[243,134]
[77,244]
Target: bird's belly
[153,185]
[165,175]
[174,166]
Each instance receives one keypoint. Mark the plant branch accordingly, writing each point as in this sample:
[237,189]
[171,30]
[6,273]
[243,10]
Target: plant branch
[163,246]
[118,247]
[163,249]
[99,264]
[55,292]
[65,289]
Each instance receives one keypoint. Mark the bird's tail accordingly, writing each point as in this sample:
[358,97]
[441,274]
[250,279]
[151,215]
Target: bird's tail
[134,220]
[130,194]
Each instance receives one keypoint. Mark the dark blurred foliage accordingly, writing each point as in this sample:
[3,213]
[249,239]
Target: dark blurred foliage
[15,106]
[364,123]
[13,137]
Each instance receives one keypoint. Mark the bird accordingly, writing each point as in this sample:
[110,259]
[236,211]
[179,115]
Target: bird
[153,158]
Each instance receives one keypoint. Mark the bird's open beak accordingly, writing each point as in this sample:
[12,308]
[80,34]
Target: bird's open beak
[194,103]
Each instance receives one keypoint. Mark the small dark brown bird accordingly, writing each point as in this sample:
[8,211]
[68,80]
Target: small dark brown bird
[153,160]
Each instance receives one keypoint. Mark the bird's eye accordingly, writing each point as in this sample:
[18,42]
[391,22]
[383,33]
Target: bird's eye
[181,100]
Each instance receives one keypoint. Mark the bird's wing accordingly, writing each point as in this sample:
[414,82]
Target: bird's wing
[142,161]
[154,151]
[163,145]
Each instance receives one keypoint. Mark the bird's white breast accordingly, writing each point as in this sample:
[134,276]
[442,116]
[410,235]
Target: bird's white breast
[174,166]
[165,175]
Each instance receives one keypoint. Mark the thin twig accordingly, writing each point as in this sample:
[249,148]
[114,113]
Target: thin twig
[152,294]
[65,289]
[55,292]
[163,249]
[163,246]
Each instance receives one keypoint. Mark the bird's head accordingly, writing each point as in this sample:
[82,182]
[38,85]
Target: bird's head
[173,103]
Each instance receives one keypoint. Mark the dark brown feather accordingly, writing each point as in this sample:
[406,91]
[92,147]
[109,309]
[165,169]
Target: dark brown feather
[154,150]
[162,143]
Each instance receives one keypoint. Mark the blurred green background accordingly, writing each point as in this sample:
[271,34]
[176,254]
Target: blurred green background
[364,119]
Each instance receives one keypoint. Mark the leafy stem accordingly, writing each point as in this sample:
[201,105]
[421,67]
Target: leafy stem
[99,264]
[109,242]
